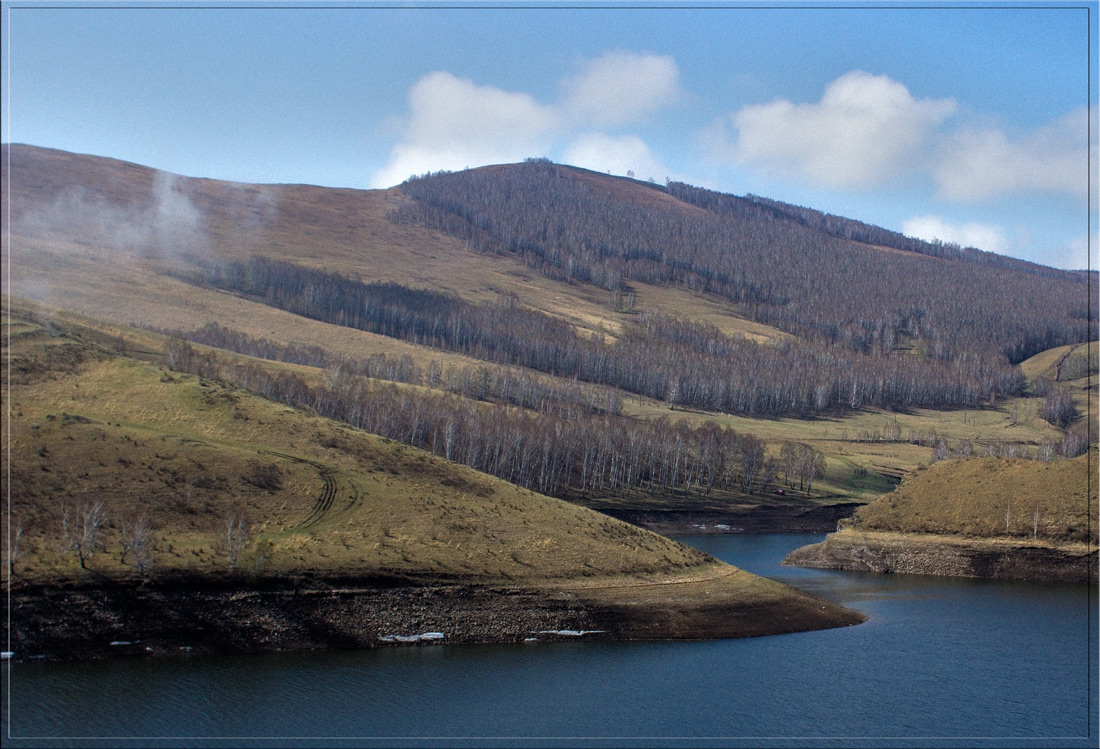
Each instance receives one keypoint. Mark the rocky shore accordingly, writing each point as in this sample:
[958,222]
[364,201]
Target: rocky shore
[202,616]
[124,619]
[958,556]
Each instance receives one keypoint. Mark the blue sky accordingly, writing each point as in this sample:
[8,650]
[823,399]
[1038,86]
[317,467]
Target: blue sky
[969,123]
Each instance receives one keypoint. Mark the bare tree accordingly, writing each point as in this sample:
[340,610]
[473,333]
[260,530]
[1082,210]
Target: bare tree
[788,458]
[940,451]
[236,531]
[80,528]
[137,541]
[1058,407]
[1046,450]
[812,466]
[14,536]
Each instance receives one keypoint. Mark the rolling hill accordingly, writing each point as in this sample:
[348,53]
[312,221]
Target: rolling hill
[428,365]
[238,493]
[984,517]
[131,245]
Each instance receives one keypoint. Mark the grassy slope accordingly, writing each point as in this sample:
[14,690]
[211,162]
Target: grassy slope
[347,231]
[856,470]
[992,497]
[340,230]
[983,517]
[87,423]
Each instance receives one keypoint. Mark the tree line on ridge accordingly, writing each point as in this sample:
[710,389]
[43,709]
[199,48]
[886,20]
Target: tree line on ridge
[805,272]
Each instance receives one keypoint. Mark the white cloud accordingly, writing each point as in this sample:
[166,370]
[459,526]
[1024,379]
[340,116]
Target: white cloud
[621,87]
[980,164]
[866,129]
[616,154]
[989,237]
[454,123]
[1081,253]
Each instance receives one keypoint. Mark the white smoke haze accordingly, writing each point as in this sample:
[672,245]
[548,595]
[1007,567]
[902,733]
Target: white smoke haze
[250,210]
[166,226]
[90,241]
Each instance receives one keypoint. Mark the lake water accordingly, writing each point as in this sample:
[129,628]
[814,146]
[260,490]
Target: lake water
[940,662]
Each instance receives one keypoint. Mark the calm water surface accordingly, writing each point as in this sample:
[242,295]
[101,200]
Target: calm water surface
[940,662]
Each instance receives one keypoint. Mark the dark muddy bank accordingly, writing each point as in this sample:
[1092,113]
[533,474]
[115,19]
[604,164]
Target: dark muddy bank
[201,616]
[797,518]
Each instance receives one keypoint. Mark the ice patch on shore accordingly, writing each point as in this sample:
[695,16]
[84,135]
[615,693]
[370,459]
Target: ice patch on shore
[423,637]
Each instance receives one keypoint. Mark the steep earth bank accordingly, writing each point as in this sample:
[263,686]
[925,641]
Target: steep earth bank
[959,556]
[792,519]
[116,618]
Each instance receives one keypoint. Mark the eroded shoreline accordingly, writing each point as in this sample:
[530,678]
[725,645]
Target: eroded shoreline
[131,618]
[954,556]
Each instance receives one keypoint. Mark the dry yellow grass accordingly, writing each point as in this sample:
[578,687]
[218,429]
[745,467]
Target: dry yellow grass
[87,424]
[1045,363]
[346,231]
[700,308]
[988,497]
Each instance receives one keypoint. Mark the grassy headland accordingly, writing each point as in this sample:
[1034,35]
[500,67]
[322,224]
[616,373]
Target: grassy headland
[981,517]
[241,493]
[663,354]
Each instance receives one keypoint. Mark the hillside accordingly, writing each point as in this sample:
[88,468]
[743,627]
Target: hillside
[993,497]
[584,302]
[982,517]
[128,476]
[72,212]
[778,266]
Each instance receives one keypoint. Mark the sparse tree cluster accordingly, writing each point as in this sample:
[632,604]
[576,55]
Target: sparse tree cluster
[511,385]
[236,532]
[801,464]
[81,527]
[137,542]
[680,361]
[1058,407]
[1072,443]
[581,453]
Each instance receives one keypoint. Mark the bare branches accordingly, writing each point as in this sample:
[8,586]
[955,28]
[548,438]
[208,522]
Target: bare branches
[80,528]
[13,538]
[236,531]
[137,542]
[664,357]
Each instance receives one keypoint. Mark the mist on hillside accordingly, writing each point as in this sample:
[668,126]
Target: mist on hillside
[165,223]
